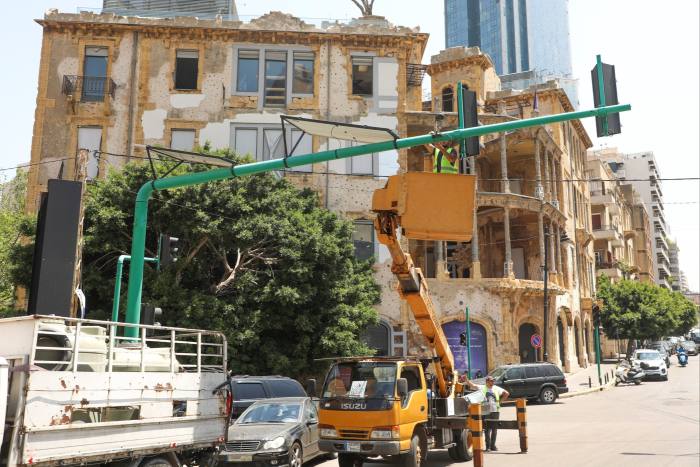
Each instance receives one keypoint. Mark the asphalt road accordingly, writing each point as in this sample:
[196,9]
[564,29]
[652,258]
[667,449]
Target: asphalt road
[654,424]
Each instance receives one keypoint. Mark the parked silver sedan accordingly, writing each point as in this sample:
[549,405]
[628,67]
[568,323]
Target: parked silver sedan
[274,432]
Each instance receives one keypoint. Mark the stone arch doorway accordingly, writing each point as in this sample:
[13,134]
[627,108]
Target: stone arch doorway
[560,340]
[526,351]
[378,337]
[452,330]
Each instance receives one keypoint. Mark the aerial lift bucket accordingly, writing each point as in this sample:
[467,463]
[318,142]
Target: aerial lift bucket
[430,206]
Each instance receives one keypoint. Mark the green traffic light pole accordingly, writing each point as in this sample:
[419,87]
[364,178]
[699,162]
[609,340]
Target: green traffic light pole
[138,243]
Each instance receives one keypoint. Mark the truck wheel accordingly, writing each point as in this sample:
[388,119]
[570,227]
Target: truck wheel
[464,445]
[416,456]
[156,462]
[548,395]
[348,460]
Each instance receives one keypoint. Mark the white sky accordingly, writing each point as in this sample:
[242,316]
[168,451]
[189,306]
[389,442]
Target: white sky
[653,45]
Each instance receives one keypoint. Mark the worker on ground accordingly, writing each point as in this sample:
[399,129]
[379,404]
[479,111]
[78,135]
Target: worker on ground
[445,157]
[493,396]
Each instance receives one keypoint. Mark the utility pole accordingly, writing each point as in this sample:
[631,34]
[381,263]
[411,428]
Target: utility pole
[545,321]
[81,163]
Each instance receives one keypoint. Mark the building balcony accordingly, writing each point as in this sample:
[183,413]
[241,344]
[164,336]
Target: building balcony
[611,270]
[88,88]
[610,233]
[517,201]
[629,234]
[598,197]
[506,287]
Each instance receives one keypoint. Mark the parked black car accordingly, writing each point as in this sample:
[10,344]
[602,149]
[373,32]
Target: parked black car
[248,389]
[543,381]
[663,350]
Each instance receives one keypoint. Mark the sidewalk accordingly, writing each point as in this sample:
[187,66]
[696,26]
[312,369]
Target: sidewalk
[578,381]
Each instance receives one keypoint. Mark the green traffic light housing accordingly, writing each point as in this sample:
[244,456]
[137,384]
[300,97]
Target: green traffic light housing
[168,250]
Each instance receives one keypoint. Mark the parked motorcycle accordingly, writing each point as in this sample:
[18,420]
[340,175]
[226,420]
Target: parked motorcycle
[682,357]
[627,374]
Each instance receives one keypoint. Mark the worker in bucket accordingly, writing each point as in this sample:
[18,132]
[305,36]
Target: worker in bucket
[445,157]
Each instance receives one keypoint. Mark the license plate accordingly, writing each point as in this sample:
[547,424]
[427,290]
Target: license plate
[240,457]
[353,447]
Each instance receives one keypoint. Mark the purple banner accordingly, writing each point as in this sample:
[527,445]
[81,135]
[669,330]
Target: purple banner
[478,346]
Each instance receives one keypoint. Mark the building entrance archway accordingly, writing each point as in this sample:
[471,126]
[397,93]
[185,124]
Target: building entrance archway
[526,351]
[560,338]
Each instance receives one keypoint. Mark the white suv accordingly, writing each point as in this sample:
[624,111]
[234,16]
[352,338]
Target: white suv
[651,362]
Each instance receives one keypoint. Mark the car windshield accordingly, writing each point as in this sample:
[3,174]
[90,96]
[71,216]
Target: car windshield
[648,355]
[271,412]
[361,380]
[497,372]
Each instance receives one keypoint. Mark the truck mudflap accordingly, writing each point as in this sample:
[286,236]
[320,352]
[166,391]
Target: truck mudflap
[363,447]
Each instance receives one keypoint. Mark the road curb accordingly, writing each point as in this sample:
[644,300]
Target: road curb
[588,391]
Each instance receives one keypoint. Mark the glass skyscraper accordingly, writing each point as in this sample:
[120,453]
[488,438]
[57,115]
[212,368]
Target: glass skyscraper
[527,40]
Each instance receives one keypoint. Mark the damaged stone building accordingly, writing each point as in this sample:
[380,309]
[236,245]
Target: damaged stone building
[113,84]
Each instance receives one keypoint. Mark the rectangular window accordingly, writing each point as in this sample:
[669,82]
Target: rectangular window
[303,82]
[363,239]
[248,71]
[182,140]
[90,138]
[275,79]
[362,165]
[246,142]
[273,144]
[186,69]
[362,81]
[303,146]
[94,74]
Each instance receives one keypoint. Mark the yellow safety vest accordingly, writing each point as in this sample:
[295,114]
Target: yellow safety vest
[441,164]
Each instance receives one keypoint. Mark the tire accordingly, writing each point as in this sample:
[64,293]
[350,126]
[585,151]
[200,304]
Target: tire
[414,457]
[156,462]
[617,382]
[548,395]
[296,455]
[453,453]
[465,451]
[637,382]
[348,460]
[665,378]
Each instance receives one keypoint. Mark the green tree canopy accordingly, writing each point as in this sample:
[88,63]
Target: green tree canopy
[259,260]
[636,310]
[15,258]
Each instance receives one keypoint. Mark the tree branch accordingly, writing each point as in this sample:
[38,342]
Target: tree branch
[188,259]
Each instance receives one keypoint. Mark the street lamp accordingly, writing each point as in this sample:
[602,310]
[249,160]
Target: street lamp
[563,239]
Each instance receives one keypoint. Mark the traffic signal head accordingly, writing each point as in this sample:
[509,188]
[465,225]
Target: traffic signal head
[463,339]
[150,314]
[168,250]
[610,90]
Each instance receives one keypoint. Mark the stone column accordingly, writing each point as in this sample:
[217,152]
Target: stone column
[555,178]
[553,255]
[539,191]
[476,264]
[540,227]
[508,265]
[505,184]
[558,243]
[547,187]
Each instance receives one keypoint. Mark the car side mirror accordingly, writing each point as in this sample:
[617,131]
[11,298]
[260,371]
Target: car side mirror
[311,387]
[402,387]
[312,422]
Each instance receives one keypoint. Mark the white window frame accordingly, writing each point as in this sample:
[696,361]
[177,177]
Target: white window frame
[259,140]
[262,49]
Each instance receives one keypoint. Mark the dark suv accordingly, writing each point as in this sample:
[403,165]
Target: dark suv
[543,381]
[248,389]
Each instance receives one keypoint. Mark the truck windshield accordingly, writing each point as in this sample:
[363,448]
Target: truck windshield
[361,380]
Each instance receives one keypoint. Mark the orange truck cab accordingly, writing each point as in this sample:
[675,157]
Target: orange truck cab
[372,407]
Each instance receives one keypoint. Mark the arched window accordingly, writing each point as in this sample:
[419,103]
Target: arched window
[377,337]
[448,99]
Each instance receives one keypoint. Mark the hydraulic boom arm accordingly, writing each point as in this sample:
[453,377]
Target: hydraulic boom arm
[430,207]
[414,289]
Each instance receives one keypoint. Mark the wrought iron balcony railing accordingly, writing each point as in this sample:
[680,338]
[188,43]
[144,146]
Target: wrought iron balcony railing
[88,88]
